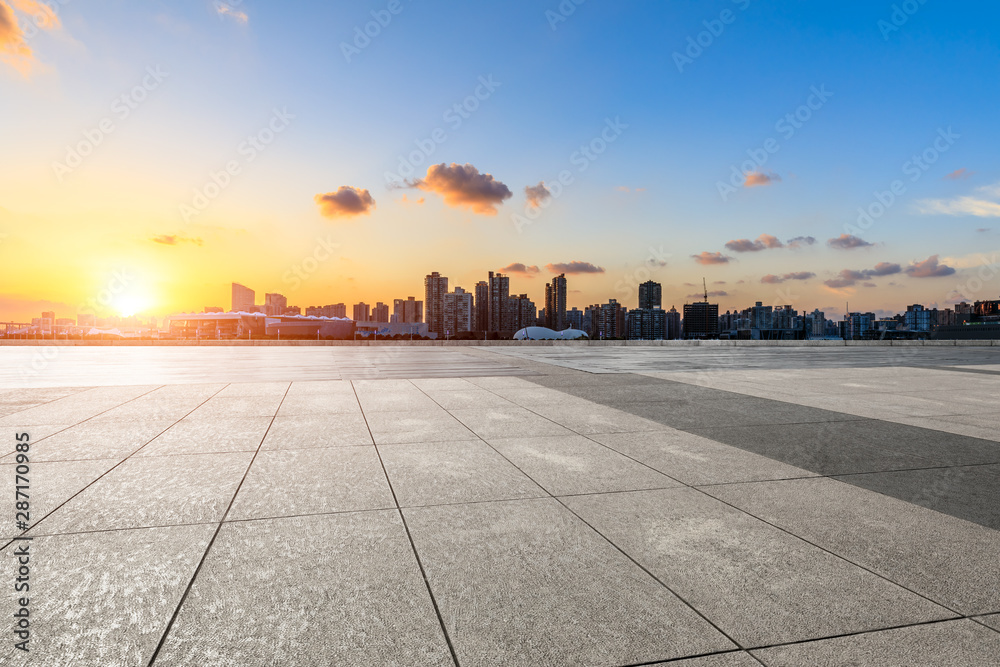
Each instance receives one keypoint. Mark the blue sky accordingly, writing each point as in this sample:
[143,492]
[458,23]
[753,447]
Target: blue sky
[892,88]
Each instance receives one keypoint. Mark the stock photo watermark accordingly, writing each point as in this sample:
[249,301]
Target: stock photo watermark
[627,287]
[301,271]
[247,150]
[22,552]
[581,158]
[363,35]
[121,108]
[899,17]
[697,44]
[562,12]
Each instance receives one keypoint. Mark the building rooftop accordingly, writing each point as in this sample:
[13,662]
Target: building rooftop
[507,505]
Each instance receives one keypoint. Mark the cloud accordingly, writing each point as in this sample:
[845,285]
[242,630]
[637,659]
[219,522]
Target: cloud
[848,242]
[719,282]
[536,194]
[173,239]
[759,178]
[763,242]
[710,294]
[625,188]
[800,241]
[797,275]
[848,277]
[419,201]
[982,205]
[462,186]
[575,267]
[708,258]
[518,267]
[14,50]
[983,229]
[346,202]
[959,174]
[929,268]
[237,15]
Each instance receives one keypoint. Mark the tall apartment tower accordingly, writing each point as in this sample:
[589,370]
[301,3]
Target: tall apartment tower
[482,306]
[673,324]
[275,304]
[499,293]
[362,312]
[458,311]
[435,287]
[408,310]
[243,298]
[380,312]
[650,295]
[555,303]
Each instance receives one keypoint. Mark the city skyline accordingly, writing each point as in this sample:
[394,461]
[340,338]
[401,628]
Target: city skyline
[665,143]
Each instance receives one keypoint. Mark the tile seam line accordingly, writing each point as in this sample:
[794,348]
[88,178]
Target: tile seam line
[114,467]
[208,547]
[406,529]
[605,538]
[783,530]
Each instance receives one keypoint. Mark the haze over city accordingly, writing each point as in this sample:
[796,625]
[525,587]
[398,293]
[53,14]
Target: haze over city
[339,153]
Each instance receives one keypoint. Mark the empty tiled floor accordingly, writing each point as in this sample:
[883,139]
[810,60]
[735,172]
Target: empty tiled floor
[510,506]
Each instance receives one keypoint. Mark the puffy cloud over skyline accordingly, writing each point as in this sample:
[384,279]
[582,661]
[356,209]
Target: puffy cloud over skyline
[463,186]
[848,242]
[536,194]
[758,178]
[763,242]
[574,267]
[849,277]
[520,268]
[346,202]
[706,258]
[797,275]
[929,268]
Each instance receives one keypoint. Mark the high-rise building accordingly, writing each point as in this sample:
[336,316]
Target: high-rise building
[275,304]
[482,306]
[243,299]
[647,324]
[607,320]
[499,294]
[555,303]
[362,312]
[522,312]
[380,313]
[435,287]
[574,319]
[701,320]
[818,324]
[917,317]
[458,312]
[335,310]
[673,324]
[408,310]
[650,295]
[856,325]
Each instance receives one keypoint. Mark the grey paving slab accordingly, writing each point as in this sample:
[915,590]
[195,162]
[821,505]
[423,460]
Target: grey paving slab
[322,387]
[319,404]
[757,583]
[958,643]
[453,472]
[258,389]
[733,659]
[504,422]
[410,400]
[237,406]
[992,620]
[573,464]
[153,491]
[95,440]
[474,398]
[695,460]
[431,425]
[312,481]
[340,589]
[172,409]
[821,447]
[591,418]
[300,432]
[104,598]
[946,559]
[967,492]
[8,435]
[527,583]
[645,392]
[202,436]
[50,484]
[443,384]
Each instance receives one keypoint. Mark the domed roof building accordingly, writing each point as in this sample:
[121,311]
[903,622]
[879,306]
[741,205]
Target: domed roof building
[544,333]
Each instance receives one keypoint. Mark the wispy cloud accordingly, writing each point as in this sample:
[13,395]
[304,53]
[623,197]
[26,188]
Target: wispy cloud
[797,275]
[983,204]
[701,295]
[574,267]
[708,258]
[346,202]
[849,278]
[929,268]
[848,242]
[520,268]
[237,15]
[959,175]
[14,49]
[536,194]
[174,239]
[801,241]
[763,242]
[759,178]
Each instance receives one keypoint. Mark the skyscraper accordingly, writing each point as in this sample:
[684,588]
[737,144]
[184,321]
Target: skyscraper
[499,293]
[435,287]
[458,311]
[362,312]
[650,294]
[275,304]
[673,324]
[555,303]
[522,312]
[701,320]
[243,299]
[408,310]
[380,313]
[482,306]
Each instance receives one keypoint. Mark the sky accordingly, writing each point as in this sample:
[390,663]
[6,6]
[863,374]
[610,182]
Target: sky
[816,154]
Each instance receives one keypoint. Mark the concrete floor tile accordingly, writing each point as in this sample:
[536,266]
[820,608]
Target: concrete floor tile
[335,430]
[8,435]
[104,598]
[255,389]
[503,422]
[971,493]
[565,465]
[453,472]
[941,557]
[443,384]
[285,483]
[734,659]
[410,399]
[341,589]
[237,406]
[319,404]
[527,583]
[695,460]
[153,491]
[498,382]
[958,643]
[95,440]
[202,436]
[758,584]
[50,484]
[435,425]
[992,620]
[591,418]
[321,387]
[474,398]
